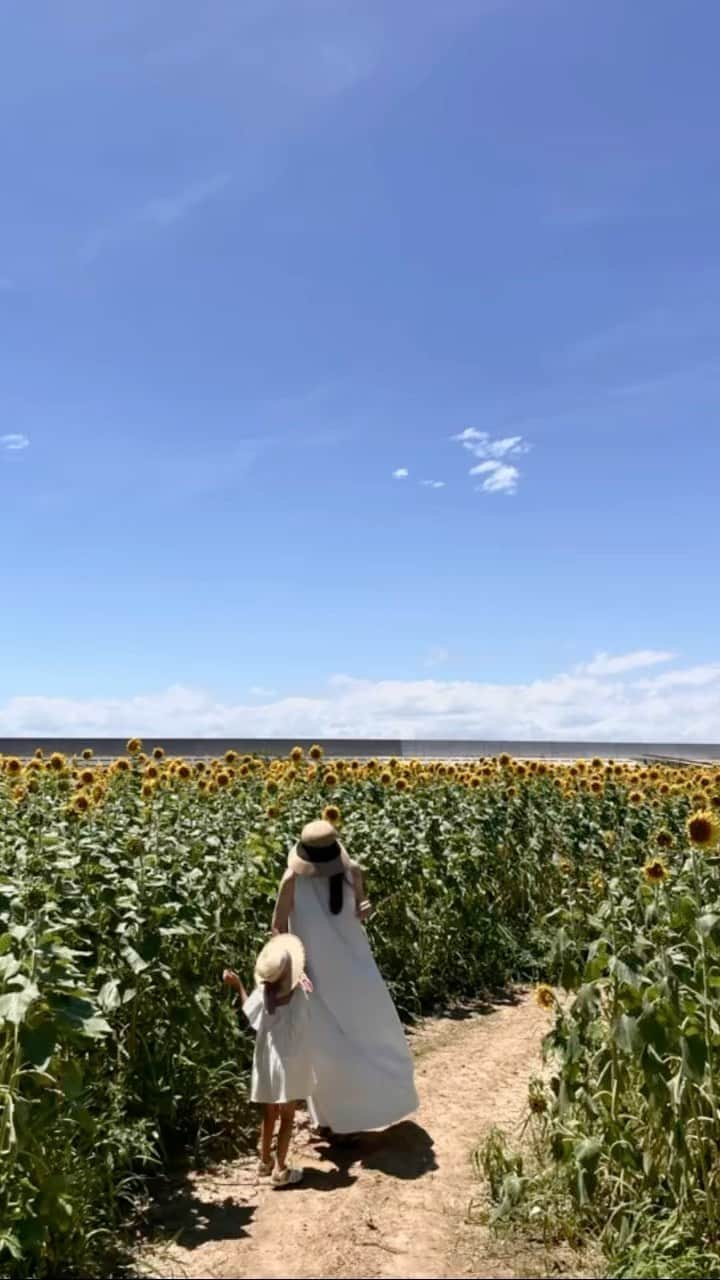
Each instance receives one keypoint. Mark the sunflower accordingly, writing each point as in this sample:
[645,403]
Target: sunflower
[596,762]
[223,779]
[596,786]
[655,871]
[13,766]
[87,776]
[121,765]
[87,753]
[134,746]
[97,792]
[703,829]
[244,770]
[715,800]
[331,779]
[316,752]
[401,784]
[231,757]
[158,753]
[663,838]
[296,755]
[148,790]
[598,883]
[505,760]
[39,753]
[386,777]
[184,771]
[272,811]
[81,803]
[57,761]
[331,814]
[635,797]
[544,996]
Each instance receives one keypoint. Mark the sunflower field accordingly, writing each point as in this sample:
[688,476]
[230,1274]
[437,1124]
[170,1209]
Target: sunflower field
[127,886]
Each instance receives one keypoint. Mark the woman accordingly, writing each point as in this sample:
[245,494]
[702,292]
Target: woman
[362,1063]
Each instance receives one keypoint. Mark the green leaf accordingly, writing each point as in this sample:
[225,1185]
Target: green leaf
[626,1034]
[133,958]
[9,966]
[708,923]
[109,996]
[15,1004]
[693,1051]
[71,1079]
[9,1243]
[588,1152]
[38,1044]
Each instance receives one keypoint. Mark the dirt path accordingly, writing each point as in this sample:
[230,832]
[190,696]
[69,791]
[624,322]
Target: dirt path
[395,1204]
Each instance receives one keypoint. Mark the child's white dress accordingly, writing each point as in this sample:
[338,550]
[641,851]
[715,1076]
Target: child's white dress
[282,1065]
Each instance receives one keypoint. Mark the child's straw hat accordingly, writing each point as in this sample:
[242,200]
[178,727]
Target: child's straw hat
[282,959]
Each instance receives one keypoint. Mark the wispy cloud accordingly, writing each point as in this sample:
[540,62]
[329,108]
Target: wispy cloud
[604,664]
[433,484]
[14,442]
[165,211]
[402,473]
[157,213]
[500,475]
[598,701]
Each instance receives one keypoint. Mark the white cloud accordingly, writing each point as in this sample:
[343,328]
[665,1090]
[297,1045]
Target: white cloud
[402,473]
[172,208]
[433,484]
[257,691]
[156,213]
[581,705]
[14,442]
[603,664]
[501,477]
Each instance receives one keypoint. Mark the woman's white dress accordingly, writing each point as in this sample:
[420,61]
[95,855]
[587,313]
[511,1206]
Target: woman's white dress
[282,1065]
[363,1066]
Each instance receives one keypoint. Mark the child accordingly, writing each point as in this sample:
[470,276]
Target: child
[282,1068]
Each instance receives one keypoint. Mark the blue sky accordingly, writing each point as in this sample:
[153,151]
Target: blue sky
[256,258]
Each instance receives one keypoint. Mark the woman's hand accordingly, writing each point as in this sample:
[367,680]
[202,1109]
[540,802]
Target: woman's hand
[306,984]
[364,910]
[231,979]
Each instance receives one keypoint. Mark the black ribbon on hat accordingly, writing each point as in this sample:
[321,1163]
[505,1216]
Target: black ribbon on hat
[327,854]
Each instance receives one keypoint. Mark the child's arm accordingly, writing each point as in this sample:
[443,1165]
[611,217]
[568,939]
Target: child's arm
[284,904]
[231,979]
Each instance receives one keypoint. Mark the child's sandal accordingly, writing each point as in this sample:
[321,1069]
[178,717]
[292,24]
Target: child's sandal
[287,1177]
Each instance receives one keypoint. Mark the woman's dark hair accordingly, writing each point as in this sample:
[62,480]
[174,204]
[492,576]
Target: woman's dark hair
[336,893]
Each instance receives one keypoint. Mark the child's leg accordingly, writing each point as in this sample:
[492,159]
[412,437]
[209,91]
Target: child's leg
[287,1115]
[270,1115]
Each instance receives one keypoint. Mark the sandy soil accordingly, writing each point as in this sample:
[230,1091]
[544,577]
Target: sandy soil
[393,1204]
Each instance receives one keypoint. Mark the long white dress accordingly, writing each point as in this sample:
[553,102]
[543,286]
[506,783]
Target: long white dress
[282,1065]
[363,1066]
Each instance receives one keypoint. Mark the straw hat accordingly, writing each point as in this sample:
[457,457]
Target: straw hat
[319,852]
[283,957]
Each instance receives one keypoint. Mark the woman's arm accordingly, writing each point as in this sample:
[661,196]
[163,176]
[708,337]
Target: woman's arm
[363,908]
[284,904]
